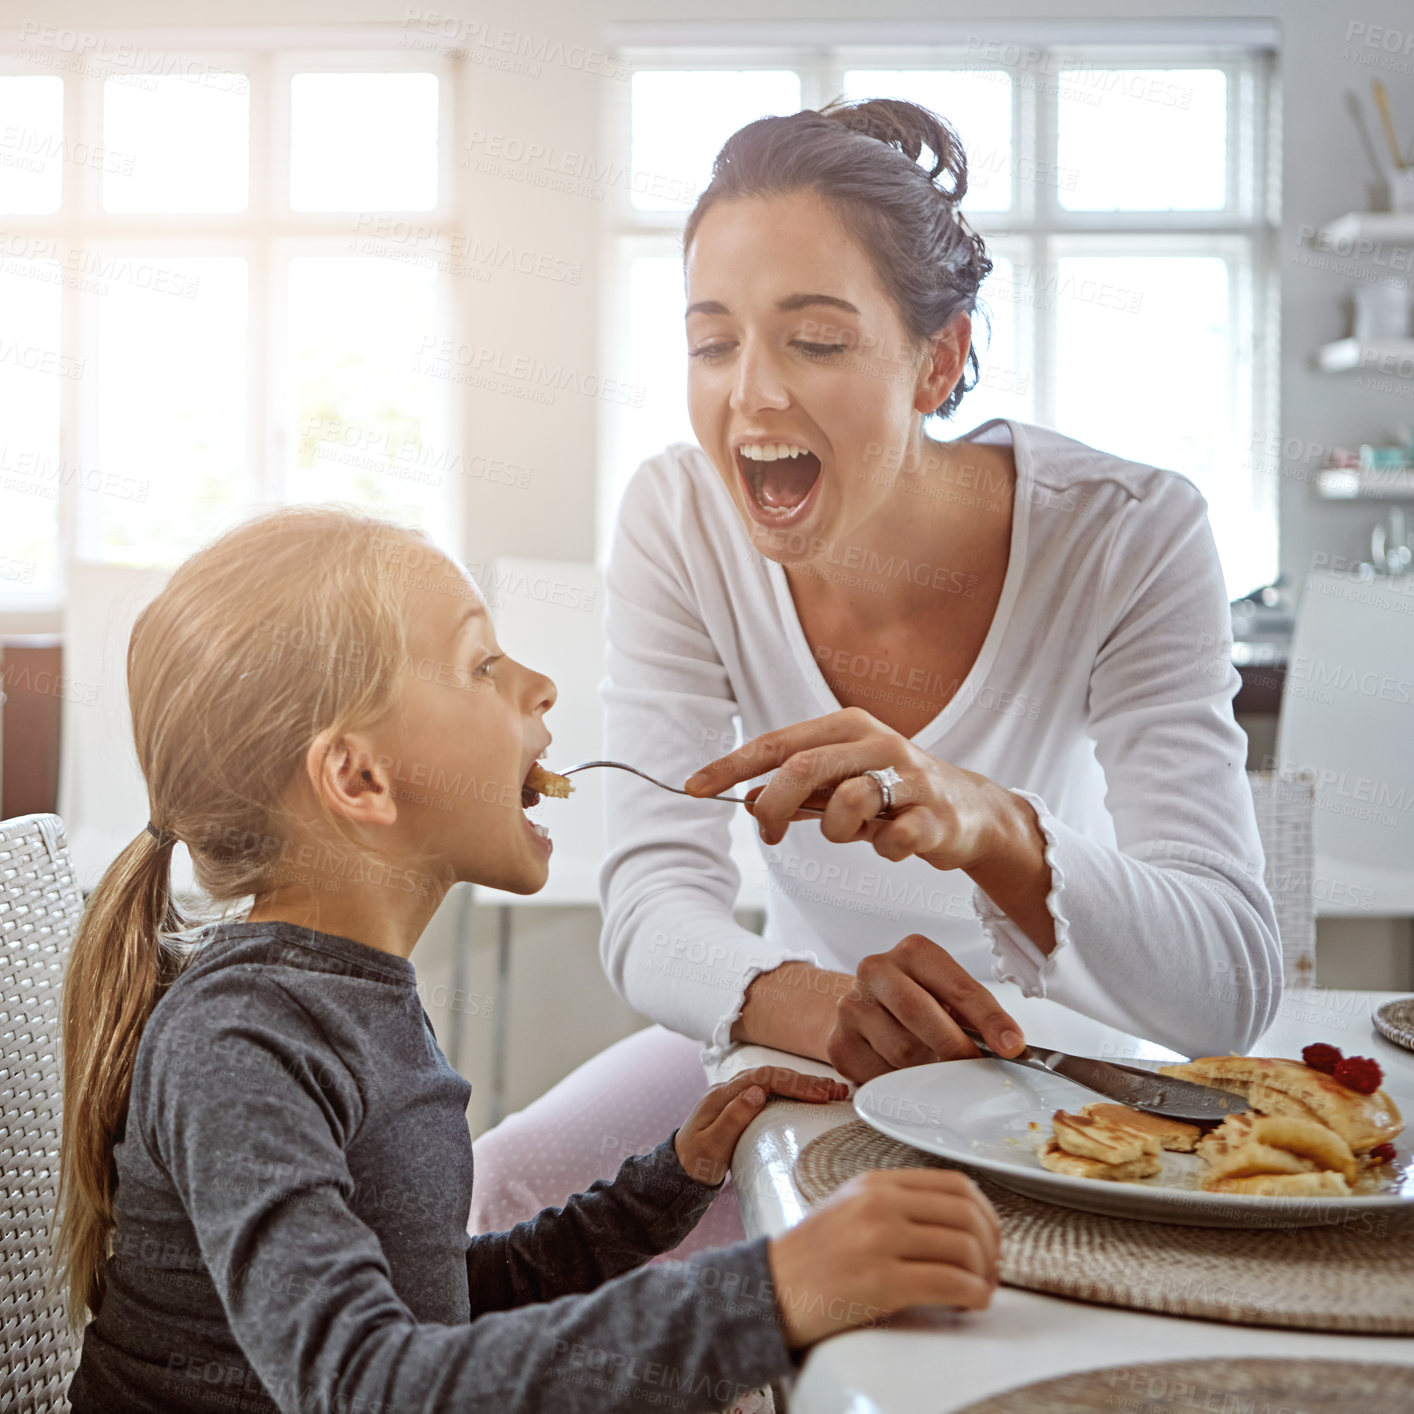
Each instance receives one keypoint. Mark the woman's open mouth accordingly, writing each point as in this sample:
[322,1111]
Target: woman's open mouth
[780,480]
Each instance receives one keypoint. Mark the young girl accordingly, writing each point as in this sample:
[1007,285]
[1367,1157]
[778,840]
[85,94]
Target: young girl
[266,1167]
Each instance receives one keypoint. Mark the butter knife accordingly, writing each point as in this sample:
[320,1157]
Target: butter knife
[1127,1084]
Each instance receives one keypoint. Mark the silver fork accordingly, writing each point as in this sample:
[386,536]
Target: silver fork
[624,766]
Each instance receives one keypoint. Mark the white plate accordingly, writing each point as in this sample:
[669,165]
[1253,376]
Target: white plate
[981,1113]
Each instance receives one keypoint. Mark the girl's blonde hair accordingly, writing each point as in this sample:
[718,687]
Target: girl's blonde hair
[290,625]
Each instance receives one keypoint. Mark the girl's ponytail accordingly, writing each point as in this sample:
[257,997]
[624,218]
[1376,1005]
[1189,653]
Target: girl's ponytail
[118,965]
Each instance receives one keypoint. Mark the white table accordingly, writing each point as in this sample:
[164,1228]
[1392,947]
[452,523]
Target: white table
[938,1362]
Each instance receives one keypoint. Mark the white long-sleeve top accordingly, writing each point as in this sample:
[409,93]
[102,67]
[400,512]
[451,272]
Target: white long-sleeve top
[1102,694]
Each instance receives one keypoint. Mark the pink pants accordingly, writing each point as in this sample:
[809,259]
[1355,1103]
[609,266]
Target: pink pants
[626,1100]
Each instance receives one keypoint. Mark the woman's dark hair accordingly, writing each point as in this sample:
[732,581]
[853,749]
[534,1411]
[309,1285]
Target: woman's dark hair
[864,159]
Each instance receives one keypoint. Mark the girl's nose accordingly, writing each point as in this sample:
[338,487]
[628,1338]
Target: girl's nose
[543,692]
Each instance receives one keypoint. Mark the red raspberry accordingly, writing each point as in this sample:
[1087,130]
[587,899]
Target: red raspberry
[1322,1057]
[1382,1154]
[1359,1073]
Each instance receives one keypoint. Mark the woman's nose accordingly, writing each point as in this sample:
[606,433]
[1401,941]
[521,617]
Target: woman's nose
[758,383]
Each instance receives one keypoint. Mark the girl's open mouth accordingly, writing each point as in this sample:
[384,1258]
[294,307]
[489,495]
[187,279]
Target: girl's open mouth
[529,799]
[538,782]
[780,481]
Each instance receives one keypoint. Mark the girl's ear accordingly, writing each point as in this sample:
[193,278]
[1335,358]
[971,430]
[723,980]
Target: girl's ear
[947,358]
[350,780]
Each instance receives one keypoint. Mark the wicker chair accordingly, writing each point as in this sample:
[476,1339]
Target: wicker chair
[1286,813]
[39,911]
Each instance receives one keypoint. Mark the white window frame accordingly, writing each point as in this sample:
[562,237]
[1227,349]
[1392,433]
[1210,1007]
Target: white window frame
[1036,229]
[267,234]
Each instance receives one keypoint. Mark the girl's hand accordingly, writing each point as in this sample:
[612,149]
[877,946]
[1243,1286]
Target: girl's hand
[709,1135]
[904,1009]
[886,1240]
[941,813]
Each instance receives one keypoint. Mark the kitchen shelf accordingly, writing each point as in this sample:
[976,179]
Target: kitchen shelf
[1345,354]
[1394,226]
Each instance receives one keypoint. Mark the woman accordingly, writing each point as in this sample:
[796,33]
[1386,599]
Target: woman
[1000,663]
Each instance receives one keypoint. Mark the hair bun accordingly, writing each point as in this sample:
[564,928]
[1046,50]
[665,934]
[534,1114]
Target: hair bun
[912,129]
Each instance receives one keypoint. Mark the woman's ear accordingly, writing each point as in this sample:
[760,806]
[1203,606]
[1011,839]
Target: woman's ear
[350,780]
[947,358]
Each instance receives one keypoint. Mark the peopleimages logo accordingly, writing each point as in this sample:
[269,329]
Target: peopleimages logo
[500,582]
[1370,683]
[578,173]
[50,261]
[531,376]
[498,46]
[122,61]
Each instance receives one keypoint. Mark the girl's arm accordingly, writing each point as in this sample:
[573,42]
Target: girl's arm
[648,1207]
[307,1290]
[653,1202]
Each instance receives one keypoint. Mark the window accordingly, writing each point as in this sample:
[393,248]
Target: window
[218,271]
[1122,195]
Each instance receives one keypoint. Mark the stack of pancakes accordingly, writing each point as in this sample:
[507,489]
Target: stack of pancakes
[1302,1136]
[1113,1142]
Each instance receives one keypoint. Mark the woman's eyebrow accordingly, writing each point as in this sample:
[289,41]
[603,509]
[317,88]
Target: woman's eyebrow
[786,306]
[794,302]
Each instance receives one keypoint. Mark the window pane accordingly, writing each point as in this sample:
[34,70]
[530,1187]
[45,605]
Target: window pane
[682,117]
[978,105]
[1143,139]
[31,144]
[1004,382]
[172,425]
[657,362]
[31,369]
[176,143]
[363,142]
[367,426]
[1145,369]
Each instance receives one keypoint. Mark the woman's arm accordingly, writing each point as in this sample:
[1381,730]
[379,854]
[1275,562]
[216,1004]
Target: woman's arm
[670,944]
[792,1008]
[1172,934]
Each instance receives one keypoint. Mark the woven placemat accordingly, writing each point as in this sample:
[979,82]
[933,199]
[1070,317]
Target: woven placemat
[1185,1386]
[1356,1277]
[1395,1022]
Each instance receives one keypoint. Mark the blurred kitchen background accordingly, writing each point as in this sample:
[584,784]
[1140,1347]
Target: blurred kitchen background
[428,260]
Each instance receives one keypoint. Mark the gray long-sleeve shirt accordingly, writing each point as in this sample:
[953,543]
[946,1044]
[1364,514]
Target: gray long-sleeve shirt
[293,1187]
